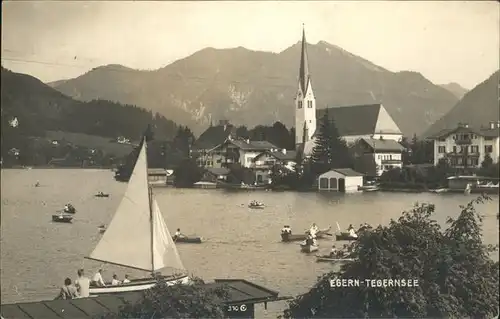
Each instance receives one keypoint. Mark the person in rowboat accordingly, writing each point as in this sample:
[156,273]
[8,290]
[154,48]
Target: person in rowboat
[97,280]
[333,252]
[178,234]
[126,280]
[314,230]
[286,230]
[115,281]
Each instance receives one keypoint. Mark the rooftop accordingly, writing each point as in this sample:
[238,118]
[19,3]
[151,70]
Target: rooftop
[360,119]
[240,291]
[482,131]
[248,145]
[382,145]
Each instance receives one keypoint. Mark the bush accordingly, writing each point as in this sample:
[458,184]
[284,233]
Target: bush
[178,301]
[456,276]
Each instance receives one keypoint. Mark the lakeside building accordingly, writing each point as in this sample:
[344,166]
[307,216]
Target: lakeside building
[213,136]
[343,180]
[372,157]
[353,123]
[265,161]
[465,146]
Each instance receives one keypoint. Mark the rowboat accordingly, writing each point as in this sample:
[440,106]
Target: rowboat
[147,245]
[332,259]
[298,237]
[101,195]
[345,236]
[306,248]
[256,206]
[187,240]
[369,188]
[62,218]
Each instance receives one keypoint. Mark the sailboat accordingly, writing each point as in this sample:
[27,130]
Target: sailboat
[138,238]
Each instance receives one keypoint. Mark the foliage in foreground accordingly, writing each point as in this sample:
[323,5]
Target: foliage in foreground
[178,301]
[456,276]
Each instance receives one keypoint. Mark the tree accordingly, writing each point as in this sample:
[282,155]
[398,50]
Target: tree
[488,168]
[187,173]
[178,301]
[330,149]
[456,277]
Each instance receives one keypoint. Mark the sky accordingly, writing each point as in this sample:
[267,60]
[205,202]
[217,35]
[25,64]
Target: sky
[446,41]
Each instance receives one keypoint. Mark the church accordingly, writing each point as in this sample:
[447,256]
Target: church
[371,123]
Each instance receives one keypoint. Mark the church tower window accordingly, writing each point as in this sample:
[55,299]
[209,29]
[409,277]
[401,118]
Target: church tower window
[300,104]
[309,104]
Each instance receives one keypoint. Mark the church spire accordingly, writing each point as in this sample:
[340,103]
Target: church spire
[304,64]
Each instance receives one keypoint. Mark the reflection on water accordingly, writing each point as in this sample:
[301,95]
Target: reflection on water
[37,254]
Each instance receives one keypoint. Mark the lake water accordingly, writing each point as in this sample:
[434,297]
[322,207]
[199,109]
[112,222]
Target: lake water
[36,254]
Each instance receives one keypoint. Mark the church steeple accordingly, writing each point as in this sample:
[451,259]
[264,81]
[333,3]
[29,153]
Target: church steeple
[305,102]
[304,63]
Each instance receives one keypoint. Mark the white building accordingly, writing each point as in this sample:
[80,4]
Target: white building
[375,156]
[465,146]
[352,122]
[340,180]
[264,162]
[236,151]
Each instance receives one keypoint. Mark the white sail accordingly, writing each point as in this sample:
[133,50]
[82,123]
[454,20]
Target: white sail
[127,240]
[165,254]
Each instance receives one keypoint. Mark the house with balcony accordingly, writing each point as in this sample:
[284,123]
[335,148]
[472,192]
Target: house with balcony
[465,146]
[214,136]
[372,157]
[264,162]
[232,150]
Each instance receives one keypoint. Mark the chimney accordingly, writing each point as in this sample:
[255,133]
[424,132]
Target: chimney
[283,151]
[492,125]
[248,141]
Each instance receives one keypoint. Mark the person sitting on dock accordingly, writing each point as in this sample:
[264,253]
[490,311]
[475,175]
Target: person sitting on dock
[68,291]
[126,280]
[97,280]
[115,281]
[82,284]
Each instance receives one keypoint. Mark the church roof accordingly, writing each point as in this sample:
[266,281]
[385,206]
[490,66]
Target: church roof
[352,120]
[304,65]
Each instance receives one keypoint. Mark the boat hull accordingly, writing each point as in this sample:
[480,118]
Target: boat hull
[308,248]
[344,237]
[187,240]
[332,260]
[62,218]
[136,285]
[256,207]
[105,195]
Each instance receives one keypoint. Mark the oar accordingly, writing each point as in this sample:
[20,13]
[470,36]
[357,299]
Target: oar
[338,226]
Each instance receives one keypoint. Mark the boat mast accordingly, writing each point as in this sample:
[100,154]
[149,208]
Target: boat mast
[150,196]
[150,193]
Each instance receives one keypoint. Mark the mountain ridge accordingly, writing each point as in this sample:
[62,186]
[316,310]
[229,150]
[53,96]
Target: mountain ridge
[477,108]
[256,87]
[455,88]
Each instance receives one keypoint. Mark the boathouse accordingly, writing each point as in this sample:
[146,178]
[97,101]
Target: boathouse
[243,295]
[343,180]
